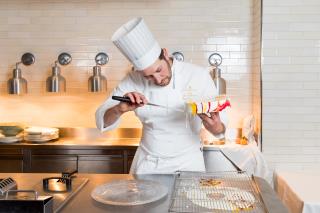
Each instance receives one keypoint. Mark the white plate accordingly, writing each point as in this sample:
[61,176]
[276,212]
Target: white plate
[129,192]
[40,140]
[12,139]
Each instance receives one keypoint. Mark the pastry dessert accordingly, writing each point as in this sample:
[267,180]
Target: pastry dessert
[207,107]
[209,182]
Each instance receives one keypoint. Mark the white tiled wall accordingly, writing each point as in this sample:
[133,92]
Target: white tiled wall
[291,88]
[84,27]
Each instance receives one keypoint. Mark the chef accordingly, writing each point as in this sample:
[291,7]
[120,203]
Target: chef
[170,139]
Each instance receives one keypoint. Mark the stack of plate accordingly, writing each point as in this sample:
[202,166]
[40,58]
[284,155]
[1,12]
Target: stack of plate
[40,134]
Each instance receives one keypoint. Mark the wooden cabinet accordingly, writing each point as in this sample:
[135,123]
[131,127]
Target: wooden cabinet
[101,164]
[51,163]
[11,160]
[56,160]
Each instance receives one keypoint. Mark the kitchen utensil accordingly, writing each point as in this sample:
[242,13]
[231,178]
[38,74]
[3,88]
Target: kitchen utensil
[69,174]
[129,192]
[7,184]
[63,196]
[57,184]
[127,100]
[218,192]
[14,201]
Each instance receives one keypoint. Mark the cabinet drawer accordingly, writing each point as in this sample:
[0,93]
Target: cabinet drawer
[77,152]
[9,151]
[52,163]
[101,164]
[11,163]
[11,160]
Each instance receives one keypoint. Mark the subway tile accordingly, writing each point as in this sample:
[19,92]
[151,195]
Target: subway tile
[18,20]
[305,27]
[305,9]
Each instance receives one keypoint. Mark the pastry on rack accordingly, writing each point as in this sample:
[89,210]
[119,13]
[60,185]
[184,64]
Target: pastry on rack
[209,182]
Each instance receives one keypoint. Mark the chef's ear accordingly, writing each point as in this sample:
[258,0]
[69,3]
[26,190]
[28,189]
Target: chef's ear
[165,53]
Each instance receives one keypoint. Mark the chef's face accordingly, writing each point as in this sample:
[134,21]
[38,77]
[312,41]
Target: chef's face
[159,73]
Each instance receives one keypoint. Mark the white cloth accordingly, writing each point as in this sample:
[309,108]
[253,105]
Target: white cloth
[169,142]
[248,158]
[137,43]
[298,191]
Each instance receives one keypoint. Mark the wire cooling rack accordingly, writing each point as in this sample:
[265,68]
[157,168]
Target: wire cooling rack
[216,192]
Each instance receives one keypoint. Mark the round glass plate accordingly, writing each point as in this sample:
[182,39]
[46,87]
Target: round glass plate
[129,192]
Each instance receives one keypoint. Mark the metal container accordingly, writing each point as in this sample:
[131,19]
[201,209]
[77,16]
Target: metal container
[216,161]
[13,201]
[56,82]
[17,84]
[219,82]
[97,82]
[215,60]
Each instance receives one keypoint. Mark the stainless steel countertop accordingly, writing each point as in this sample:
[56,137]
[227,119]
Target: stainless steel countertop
[88,137]
[92,137]
[82,201]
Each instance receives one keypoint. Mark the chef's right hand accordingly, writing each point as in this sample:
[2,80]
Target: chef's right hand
[137,99]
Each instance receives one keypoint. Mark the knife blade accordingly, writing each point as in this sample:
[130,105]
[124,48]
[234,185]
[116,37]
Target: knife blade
[127,100]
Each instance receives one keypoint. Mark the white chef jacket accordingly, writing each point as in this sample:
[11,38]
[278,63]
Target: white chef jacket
[170,139]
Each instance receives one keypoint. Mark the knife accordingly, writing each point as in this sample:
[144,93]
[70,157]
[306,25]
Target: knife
[127,100]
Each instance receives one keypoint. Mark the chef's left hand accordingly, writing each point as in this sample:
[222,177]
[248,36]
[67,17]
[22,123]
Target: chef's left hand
[212,123]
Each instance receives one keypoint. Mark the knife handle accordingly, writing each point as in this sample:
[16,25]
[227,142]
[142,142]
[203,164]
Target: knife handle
[123,99]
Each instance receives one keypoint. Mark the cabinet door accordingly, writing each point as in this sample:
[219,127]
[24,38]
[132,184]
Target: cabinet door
[52,163]
[11,160]
[101,164]
[86,161]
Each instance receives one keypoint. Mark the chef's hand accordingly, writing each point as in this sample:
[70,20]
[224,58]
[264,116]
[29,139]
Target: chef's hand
[212,123]
[137,99]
